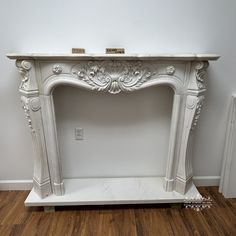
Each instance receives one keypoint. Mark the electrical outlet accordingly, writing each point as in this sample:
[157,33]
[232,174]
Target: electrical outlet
[79,133]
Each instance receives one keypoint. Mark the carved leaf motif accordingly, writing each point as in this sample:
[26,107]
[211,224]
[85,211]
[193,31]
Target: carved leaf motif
[27,104]
[197,112]
[24,68]
[112,76]
[201,74]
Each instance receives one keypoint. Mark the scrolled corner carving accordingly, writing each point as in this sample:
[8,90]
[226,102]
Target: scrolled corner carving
[197,112]
[201,73]
[113,76]
[27,104]
[24,67]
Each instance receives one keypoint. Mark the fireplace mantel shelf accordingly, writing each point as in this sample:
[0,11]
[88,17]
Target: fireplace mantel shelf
[176,57]
[41,73]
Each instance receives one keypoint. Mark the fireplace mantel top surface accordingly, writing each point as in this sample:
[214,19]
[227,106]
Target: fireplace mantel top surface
[175,57]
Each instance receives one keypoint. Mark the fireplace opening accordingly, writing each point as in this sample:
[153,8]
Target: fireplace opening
[124,135]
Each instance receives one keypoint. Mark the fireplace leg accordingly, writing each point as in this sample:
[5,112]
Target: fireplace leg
[184,174]
[186,111]
[41,180]
[50,132]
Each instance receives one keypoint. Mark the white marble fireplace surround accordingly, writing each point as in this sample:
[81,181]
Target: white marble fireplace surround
[41,73]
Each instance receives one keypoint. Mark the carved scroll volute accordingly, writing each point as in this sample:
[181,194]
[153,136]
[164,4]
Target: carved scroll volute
[198,75]
[27,75]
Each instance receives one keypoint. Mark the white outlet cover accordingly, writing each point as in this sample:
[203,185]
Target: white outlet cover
[79,133]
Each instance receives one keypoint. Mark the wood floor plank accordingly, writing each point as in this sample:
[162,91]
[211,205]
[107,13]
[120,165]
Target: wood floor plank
[10,216]
[118,222]
[63,223]
[8,198]
[38,223]
[132,220]
[177,223]
[152,221]
[198,223]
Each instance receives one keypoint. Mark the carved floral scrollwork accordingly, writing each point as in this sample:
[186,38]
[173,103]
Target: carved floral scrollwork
[170,70]
[201,73]
[112,76]
[198,109]
[27,104]
[24,68]
[57,69]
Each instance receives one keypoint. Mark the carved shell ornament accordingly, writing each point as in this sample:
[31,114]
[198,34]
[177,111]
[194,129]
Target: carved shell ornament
[112,76]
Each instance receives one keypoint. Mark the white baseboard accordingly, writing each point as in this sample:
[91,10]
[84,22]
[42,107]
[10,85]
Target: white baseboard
[28,184]
[16,185]
[206,180]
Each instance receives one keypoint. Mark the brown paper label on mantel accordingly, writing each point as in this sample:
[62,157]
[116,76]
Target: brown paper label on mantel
[78,50]
[115,50]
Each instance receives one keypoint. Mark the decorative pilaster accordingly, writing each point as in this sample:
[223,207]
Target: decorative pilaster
[185,115]
[32,108]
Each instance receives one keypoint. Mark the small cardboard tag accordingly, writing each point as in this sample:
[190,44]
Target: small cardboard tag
[115,50]
[78,50]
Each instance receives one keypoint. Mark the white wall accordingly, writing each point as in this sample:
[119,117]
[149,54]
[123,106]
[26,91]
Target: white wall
[149,26]
[124,134]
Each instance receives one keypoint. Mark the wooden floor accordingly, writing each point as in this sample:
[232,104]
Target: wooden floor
[16,219]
